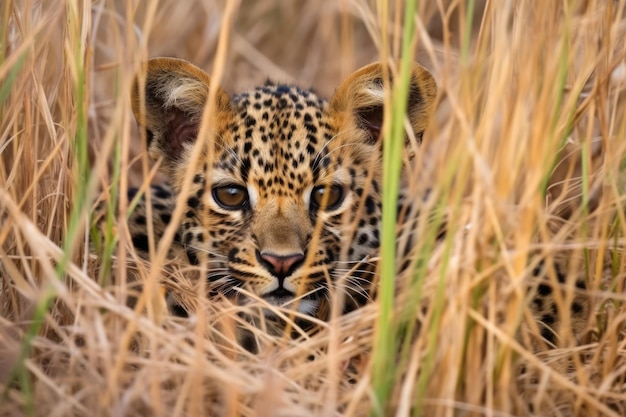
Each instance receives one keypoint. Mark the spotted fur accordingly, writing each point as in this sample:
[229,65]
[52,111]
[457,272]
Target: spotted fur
[301,179]
[286,195]
[549,284]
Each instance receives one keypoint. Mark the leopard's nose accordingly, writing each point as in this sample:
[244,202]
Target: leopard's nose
[281,266]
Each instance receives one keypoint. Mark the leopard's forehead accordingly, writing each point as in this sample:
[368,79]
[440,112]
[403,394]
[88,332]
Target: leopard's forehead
[277,140]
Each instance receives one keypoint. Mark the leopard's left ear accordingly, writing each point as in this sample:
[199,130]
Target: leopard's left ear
[360,100]
[171,106]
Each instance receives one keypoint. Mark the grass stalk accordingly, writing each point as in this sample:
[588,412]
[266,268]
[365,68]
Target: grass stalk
[79,148]
[393,143]
[448,338]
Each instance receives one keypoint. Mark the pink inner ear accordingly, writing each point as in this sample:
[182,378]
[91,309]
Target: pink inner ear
[181,129]
[374,130]
[371,119]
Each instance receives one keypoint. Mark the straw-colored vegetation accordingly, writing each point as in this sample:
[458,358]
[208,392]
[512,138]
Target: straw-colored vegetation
[525,160]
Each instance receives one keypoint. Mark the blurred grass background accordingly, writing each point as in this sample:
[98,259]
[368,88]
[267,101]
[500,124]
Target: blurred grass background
[525,160]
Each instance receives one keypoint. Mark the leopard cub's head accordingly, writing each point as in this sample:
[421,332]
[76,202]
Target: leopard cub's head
[285,203]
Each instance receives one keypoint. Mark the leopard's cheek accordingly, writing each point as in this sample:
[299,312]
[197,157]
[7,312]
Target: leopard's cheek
[212,235]
[338,234]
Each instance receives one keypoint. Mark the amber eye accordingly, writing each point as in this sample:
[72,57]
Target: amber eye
[231,197]
[327,197]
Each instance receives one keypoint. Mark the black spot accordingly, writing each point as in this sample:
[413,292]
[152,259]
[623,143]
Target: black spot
[165,217]
[370,205]
[140,220]
[547,319]
[191,255]
[548,335]
[577,308]
[544,290]
[161,192]
[248,342]
[245,169]
[193,202]
[140,242]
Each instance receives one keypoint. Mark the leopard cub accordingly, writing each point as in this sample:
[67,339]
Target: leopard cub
[285,203]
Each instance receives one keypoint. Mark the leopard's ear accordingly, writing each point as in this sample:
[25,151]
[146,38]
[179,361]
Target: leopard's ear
[175,95]
[360,99]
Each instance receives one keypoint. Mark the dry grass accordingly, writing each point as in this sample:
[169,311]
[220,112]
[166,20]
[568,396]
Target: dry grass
[526,156]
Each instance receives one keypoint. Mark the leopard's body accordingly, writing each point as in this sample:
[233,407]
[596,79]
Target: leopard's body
[284,203]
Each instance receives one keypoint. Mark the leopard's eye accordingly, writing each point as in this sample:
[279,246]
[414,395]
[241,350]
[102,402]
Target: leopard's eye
[327,197]
[231,197]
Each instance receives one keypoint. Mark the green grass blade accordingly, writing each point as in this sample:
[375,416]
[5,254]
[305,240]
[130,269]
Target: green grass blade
[393,144]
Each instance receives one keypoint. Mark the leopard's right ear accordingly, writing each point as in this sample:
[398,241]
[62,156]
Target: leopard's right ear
[358,103]
[175,95]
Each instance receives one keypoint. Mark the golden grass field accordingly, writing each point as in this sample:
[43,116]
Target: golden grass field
[525,156]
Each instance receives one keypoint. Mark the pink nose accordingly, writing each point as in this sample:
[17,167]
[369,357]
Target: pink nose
[282,266]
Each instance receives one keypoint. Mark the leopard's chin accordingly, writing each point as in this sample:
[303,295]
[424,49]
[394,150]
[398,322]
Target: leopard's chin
[303,306]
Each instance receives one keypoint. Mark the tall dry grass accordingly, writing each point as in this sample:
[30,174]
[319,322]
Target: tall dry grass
[524,162]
